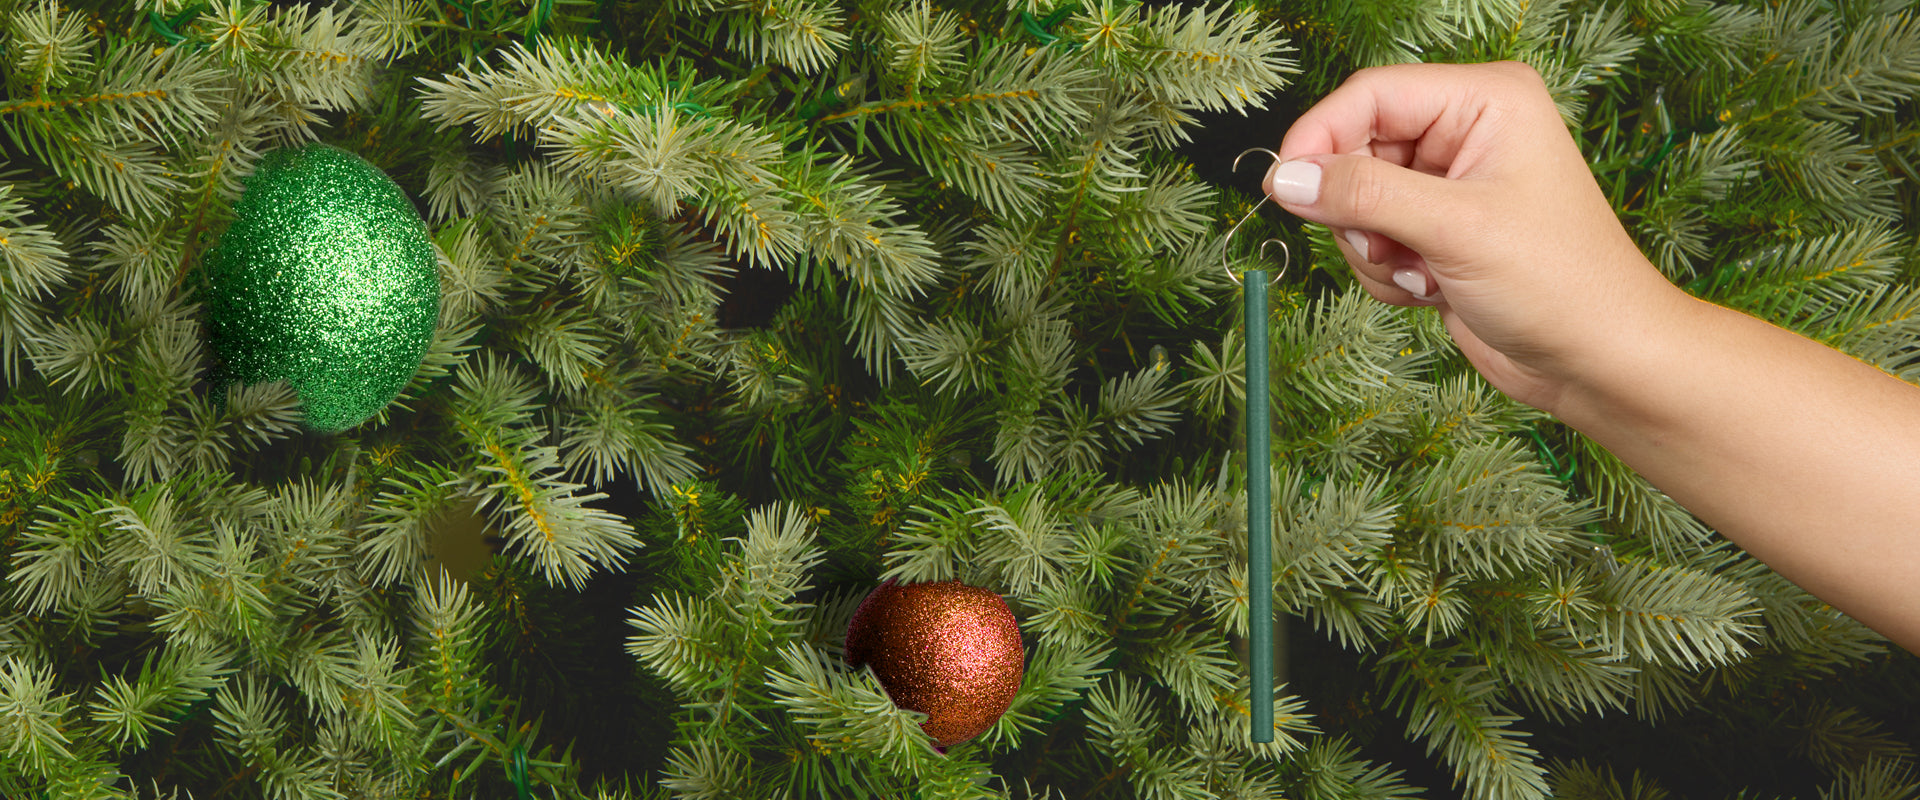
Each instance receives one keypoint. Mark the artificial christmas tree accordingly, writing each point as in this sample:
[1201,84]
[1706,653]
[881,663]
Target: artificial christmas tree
[747,307]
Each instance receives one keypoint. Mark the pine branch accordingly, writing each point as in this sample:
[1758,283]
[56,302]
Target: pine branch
[614,436]
[849,711]
[1452,706]
[1212,59]
[458,185]
[677,642]
[1013,263]
[49,568]
[249,721]
[1223,729]
[703,771]
[32,716]
[447,631]
[1583,54]
[1675,616]
[564,342]
[1334,350]
[1581,781]
[393,533]
[881,322]
[1629,499]
[1876,327]
[379,717]
[979,132]
[149,538]
[1490,511]
[1840,739]
[1063,614]
[1139,407]
[325,61]
[1118,715]
[1319,536]
[1195,666]
[169,682]
[1878,779]
[776,556]
[547,517]
[1564,676]
[800,34]
[1021,539]
[923,44]
[952,351]
[1816,635]
[472,280]
[1332,769]
[925,548]
[849,221]
[1173,549]
[35,260]
[1359,438]
[1869,70]
[392,27]
[1826,163]
[1219,379]
[1835,266]
[262,413]
[82,131]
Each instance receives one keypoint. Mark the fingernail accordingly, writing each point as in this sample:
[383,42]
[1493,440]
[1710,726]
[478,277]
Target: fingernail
[1413,281]
[1296,182]
[1358,240]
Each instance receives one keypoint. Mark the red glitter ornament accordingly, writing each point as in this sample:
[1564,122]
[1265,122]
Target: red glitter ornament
[945,649]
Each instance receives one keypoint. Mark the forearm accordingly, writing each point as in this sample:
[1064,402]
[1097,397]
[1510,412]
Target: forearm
[1805,457]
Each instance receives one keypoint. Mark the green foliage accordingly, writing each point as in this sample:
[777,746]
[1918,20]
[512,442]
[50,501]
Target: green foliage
[749,305]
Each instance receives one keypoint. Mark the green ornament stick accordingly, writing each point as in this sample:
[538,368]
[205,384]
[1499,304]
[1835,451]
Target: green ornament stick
[1259,489]
[1259,510]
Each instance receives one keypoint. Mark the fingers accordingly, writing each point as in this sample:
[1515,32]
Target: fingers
[1371,195]
[1388,270]
[1418,167]
[1433,106]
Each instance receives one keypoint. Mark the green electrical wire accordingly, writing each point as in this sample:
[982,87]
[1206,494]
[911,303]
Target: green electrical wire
[166,27]
[1042,28]
[517,773]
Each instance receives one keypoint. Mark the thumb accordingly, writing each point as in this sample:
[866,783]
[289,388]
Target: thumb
[1357,192]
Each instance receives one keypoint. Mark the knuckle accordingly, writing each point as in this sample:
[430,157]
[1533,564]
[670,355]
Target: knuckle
[1365,191]
[1367,75]
[1521,72]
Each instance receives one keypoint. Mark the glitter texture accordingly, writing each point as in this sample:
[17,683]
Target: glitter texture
[946,649]
[326,280]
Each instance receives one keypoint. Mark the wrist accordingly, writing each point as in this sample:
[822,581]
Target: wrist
[1636,373]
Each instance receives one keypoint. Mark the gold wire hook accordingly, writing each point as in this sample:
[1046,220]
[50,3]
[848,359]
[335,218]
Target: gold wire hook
[1227,243]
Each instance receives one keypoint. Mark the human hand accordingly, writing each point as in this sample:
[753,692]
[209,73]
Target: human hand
[1458,186]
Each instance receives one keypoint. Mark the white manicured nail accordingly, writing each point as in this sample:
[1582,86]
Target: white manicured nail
[1295,182]
[1413,281]
[1358,240]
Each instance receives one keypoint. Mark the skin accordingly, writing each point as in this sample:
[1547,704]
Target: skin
[1462,182]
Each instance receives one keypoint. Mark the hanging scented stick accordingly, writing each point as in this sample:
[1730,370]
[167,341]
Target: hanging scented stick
[1259,513]
[1259,490]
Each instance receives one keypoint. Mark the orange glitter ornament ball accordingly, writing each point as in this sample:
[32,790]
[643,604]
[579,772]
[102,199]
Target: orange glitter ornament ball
[945,649]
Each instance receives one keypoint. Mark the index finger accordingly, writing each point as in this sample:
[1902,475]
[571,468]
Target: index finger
[1415,115]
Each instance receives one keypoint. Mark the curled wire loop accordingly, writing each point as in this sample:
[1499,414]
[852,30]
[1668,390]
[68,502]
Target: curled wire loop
[1227,243]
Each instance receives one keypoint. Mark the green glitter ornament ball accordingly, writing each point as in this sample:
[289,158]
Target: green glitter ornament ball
[326,280]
